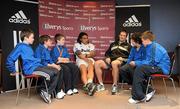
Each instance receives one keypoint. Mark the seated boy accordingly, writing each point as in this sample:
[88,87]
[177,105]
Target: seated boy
[43,52]
[137,54]
[61,56]
[156,61]
[32,65]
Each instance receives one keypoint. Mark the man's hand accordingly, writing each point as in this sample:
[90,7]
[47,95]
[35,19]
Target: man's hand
[132,63]
[108,60]
[120,58]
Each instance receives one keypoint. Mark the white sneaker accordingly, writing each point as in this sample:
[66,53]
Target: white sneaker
[69,92]
[100,87]
[114,89]
[75,91]
[150,95]
[60,95]
[132,101]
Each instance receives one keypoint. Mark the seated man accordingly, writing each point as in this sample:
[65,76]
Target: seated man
[85,52]
[156,61]
[116,55]
[137,54]
[32,65]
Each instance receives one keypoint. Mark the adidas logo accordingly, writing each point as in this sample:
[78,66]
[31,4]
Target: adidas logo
[132,22]
[19,18]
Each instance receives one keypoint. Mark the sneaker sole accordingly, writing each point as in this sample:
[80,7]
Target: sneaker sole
[102,89]
[113,93]
[75,92]
[134,102]
[44,98]
[69,94]
[59,98]
[147,100]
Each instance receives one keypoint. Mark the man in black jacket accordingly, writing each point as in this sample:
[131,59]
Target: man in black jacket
[115,56]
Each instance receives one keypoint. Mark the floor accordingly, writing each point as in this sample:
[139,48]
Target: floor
[101,100]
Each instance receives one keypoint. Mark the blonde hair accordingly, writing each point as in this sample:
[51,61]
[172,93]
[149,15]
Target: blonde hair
[148,35]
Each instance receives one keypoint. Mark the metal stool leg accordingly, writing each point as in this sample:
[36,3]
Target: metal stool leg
[174,87]
[29,82]
[46,86]
[165,87]
[17,96]
[149,80]
[36,84]
[122,85]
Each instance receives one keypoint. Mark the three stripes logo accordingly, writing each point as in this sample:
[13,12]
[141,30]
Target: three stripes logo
[132,22]
[19,17]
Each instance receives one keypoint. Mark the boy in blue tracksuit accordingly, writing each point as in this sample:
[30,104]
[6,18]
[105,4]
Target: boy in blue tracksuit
[156,61]
[43,52]
[137,53]
[60,55]
[32,65]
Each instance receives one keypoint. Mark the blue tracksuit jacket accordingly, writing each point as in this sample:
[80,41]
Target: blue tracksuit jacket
[44,54]
[29,62]
[158,58]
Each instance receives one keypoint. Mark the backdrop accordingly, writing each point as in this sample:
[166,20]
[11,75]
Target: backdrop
[72,17]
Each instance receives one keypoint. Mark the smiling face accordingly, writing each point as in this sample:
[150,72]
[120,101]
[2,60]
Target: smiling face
[122,36]
[84,39]
[135,44]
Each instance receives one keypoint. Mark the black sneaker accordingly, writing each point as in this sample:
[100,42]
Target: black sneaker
[91,89]
[85,88]
[45,96]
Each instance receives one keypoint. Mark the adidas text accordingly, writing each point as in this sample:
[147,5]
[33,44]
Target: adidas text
[22,21]
[132,24]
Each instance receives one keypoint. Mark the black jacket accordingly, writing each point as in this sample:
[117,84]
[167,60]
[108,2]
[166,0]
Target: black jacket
[117,49]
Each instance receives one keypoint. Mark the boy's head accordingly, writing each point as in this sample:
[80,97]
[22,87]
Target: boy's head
[136,39]
[147,38]
[27,35]
[60,39]
[45,40]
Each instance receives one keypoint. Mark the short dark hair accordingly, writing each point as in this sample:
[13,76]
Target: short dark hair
[44,38]
[80,36]
[148,35]
[26,33]
[58,36]
[117,37]
[123,30]
[136,37]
